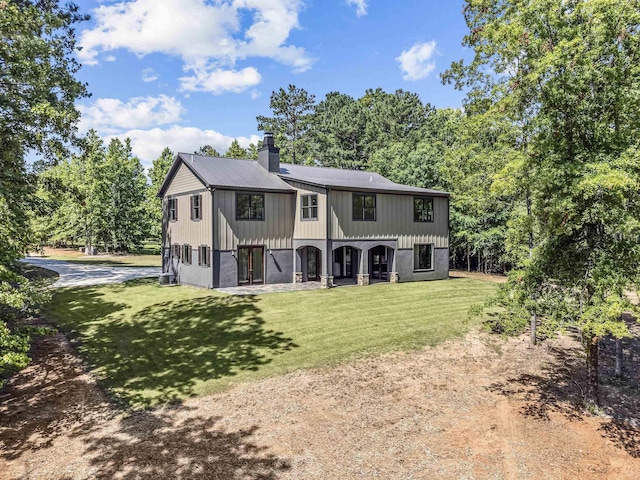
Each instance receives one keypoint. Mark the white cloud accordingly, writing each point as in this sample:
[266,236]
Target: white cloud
[149,75]
[255,94]
[148,144]
[361,6]
[206,35]
[219,81]
[110,114]
[416,62]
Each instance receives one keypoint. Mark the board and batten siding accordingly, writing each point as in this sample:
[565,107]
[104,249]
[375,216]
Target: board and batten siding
[183,181]
[186,231]
[310,229]
[394,219]
[275,231]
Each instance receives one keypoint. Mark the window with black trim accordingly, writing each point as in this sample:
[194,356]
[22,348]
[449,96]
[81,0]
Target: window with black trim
[173,209]
[249,206]
[196,207]
[422,209]
[176,250]
[204,256]
[186,254]
[309,205]
[364,206]
[423,256]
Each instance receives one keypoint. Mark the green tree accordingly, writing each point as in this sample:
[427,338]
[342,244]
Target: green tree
[291,121]
[207,150]
[337,132]
[122,193]
[567,72]
[236,151]
[37,95]
[252,150]
[157,174]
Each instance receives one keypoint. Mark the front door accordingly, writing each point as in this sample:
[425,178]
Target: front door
[313,264]
[250,265]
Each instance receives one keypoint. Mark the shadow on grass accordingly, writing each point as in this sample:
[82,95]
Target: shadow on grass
[173,443]
[561,387]
[55,398]
[163,352]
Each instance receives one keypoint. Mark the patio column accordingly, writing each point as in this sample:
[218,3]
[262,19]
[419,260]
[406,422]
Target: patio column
[393,274]
[297,265]
[363,268]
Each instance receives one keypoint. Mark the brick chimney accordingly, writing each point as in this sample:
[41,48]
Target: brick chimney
[269,154]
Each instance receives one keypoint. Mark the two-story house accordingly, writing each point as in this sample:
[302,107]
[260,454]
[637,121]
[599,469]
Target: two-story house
[231,222]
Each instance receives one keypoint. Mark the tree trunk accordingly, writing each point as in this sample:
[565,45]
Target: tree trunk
[592,370]
[619,357]
[534,325]
[468,259]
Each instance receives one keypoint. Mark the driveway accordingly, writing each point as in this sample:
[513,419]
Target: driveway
[82,275]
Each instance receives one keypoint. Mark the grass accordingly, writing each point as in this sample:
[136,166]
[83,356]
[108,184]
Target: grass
[151,345]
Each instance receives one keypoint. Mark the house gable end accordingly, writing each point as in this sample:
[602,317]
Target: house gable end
[173,171]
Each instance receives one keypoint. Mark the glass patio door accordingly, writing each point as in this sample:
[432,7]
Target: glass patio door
[313,263]
[250,265]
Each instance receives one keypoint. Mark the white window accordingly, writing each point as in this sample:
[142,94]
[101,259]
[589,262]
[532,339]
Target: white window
[309,205]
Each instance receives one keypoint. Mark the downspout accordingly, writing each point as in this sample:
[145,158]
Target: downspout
[329,255]
[213,237]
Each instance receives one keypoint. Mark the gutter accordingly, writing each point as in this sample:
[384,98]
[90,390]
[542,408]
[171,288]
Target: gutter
[213,234]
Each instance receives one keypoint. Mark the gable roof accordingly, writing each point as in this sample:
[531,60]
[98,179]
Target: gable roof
[236,174]
[355,180]
[227,173]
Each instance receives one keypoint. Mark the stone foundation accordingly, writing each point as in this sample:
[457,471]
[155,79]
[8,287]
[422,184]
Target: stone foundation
[394,277]
[297,277]
[363,279]
[326,281]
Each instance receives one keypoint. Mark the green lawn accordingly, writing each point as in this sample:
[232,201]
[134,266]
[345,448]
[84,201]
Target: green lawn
[131,260]
[151,345]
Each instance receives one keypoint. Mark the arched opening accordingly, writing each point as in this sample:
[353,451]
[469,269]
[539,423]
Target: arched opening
[345,264]
[310,263]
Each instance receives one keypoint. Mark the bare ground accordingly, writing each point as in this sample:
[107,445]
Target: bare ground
[481,407]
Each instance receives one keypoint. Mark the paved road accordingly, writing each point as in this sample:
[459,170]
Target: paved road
[82,275]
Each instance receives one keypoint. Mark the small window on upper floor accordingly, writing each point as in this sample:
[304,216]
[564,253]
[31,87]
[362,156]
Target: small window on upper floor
[249,206]
[422,209]
[309,205]
[364,206]
[176,250]
[173,209]
[196,207]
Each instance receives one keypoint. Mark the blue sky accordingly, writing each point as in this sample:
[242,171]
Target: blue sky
[184,73]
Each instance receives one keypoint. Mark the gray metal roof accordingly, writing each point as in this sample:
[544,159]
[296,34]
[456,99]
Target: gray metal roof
[349,180]
[232,173]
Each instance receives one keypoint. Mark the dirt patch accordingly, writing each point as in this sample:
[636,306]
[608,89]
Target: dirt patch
[478,276]
[480,407]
